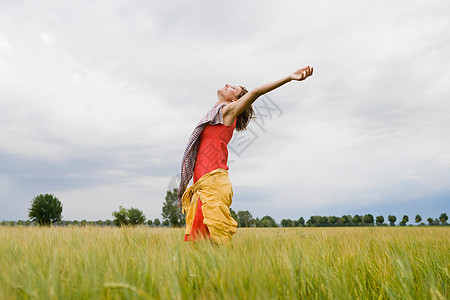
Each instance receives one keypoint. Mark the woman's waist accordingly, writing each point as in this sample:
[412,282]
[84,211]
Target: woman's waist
[203,167]
[212,182]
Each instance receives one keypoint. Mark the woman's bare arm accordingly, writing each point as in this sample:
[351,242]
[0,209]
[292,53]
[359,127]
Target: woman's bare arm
[237,107]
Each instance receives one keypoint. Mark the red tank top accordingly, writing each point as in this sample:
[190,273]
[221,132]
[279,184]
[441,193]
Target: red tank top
[212,149]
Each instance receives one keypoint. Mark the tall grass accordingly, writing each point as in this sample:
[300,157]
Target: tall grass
[148,263]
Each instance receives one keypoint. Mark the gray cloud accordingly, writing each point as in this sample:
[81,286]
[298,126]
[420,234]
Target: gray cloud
[97,101]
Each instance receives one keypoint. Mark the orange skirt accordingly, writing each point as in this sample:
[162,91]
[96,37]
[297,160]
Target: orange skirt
[199,230]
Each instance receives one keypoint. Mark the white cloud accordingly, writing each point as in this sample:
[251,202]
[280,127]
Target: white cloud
[98,202]
[4,44]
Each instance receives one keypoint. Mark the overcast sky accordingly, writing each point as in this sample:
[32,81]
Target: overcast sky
[98,100]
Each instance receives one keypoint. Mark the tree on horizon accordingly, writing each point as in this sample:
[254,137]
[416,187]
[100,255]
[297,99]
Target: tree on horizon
[392,220]
[170,211]
[45,210]
[418,218]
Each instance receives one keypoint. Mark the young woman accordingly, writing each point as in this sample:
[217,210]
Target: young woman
[207,202]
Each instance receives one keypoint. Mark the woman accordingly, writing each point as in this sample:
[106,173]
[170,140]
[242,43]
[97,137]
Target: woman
[207,202]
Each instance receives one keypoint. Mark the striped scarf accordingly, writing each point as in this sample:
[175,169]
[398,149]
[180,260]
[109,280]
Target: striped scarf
[213,117]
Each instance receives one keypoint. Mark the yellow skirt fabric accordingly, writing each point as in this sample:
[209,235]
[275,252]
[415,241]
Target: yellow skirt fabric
[216,193]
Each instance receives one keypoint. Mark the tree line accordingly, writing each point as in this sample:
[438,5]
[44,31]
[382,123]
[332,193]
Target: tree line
[357,220]
[244,218]
[46,210]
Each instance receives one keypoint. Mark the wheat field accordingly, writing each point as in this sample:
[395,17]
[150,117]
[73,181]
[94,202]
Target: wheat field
[273,263]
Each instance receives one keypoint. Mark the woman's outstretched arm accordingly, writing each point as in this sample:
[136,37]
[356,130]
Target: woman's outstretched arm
[238,106]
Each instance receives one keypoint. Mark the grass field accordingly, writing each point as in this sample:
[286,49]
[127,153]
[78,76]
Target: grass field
[295,263]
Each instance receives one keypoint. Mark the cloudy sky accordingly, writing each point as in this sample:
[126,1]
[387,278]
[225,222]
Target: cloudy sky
[99,98]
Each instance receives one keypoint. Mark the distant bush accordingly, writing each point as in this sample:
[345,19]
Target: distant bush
[132,216]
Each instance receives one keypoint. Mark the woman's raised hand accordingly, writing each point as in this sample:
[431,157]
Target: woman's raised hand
[302,74]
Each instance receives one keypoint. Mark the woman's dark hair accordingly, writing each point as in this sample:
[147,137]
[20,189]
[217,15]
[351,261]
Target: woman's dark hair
[244,117]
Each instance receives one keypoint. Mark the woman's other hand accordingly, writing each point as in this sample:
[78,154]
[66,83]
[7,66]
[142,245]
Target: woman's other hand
[302,74]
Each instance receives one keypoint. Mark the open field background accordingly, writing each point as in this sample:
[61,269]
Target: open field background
[313,263]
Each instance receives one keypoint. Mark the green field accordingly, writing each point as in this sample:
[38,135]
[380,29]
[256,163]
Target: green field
[273,263]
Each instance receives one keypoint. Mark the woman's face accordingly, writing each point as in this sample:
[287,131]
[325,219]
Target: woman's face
[229,92]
